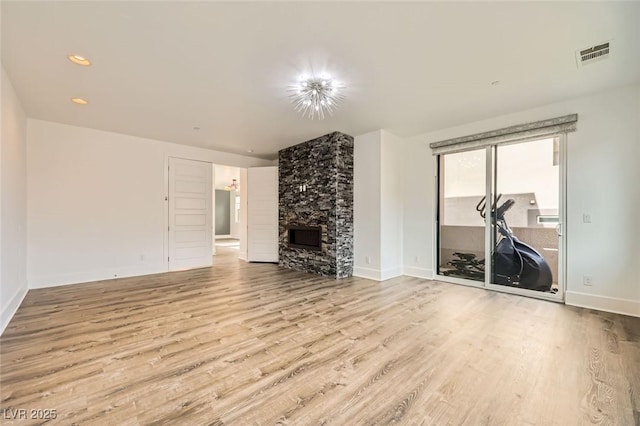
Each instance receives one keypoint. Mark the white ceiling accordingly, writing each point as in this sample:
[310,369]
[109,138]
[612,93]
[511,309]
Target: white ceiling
[161,68]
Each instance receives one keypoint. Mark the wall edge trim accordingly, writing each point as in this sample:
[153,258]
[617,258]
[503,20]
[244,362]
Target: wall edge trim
[10,309]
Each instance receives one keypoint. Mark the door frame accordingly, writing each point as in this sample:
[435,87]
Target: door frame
[562,238]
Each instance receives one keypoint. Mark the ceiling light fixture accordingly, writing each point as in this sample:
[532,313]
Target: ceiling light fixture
[234,185]
[79,101]
[80,60]
[316,96]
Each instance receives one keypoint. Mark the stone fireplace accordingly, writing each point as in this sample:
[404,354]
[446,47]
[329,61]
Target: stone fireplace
[316,206]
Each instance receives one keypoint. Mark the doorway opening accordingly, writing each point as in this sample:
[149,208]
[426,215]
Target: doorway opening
[229,215]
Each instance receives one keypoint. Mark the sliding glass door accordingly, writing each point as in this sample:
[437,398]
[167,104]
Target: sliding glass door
[500,211]
[461,242]
[525,235]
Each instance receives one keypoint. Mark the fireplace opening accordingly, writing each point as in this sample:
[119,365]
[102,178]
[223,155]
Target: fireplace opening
[305,237]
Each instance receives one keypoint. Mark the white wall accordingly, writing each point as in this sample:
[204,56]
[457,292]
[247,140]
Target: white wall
[418,208]
[377,205]
[366,205]
[602,179]
[13,203]
[391,205]
[96,202]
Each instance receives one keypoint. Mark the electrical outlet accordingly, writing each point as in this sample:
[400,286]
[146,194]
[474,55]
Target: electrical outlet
[416,260]
[142,258]
[587,280]
[367,260]
[586,217]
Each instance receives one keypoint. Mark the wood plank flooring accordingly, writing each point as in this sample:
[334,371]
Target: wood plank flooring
[243,344]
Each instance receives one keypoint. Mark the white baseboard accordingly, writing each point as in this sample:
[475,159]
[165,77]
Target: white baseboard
[10,308]
[368,273]
[603,303]
[414,271]
[242,255]
[387,274]
[376,274]
[90,276]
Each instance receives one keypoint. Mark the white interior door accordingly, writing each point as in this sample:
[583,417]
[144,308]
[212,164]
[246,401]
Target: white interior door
[190,214]
[262,214]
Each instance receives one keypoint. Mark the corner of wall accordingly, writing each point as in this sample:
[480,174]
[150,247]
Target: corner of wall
[10,308]
[368,273]
[377,274]
[13,204]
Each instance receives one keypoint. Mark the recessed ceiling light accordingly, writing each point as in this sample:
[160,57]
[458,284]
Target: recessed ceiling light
[79,101]
[80,60]
[249,150]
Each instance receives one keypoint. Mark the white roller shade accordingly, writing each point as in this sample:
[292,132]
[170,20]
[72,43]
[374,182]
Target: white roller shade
[520,132]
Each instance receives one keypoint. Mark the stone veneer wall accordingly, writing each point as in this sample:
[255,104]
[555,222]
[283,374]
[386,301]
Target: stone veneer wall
[316,189]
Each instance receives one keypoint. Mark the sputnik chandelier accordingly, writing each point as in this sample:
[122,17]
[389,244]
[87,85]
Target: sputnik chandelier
[234,185]
[316,96]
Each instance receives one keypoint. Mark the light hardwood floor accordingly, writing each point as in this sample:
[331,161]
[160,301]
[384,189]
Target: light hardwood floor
[249,344]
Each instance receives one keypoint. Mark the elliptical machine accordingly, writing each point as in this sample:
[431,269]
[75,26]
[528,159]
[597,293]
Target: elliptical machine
[516,264]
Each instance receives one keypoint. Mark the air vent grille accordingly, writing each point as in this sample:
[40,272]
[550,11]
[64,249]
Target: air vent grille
[592,54]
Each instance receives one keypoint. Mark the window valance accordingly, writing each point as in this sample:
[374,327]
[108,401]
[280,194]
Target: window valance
[520,132]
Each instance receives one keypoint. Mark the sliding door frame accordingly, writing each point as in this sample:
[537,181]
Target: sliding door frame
[490,173]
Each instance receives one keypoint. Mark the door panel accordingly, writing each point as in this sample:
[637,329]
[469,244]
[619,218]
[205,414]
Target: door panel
[191,204]
[191,219]
[189,236]
[461,229]
[190,214]
[524,237]
[186,187]
[262,214]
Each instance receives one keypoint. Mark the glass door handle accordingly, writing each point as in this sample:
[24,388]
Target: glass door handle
[559,229]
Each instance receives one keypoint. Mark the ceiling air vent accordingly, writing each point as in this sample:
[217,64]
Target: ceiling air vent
[592,54]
